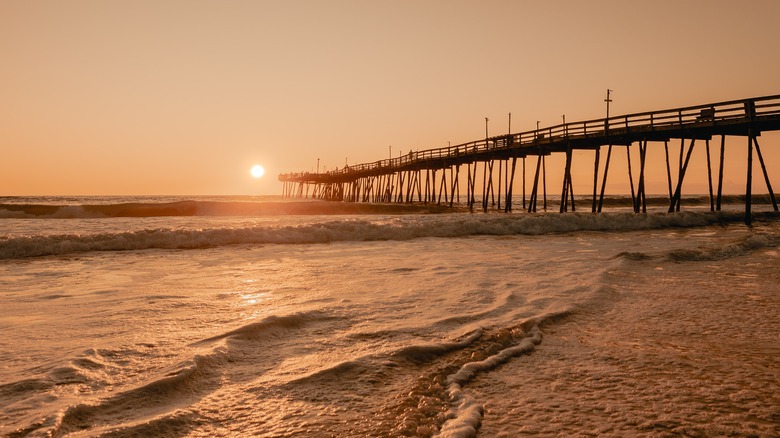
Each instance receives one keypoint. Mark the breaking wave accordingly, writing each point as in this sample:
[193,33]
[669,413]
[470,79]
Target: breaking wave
[400,228]
[203,208]
[108,207]
[738,248]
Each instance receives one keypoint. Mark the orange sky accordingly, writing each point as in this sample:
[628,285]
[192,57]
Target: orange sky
[183,97]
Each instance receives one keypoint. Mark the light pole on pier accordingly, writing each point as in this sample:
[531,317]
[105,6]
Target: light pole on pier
[608,100]
[486,127]
[391,151]
[318,165]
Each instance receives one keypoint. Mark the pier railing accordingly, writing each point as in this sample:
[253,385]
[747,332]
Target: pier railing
[598,130]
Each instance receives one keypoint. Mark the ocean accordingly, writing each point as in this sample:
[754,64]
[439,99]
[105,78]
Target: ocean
[260,316]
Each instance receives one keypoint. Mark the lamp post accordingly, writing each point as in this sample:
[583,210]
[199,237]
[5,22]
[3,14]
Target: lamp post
[608,100]
[318,165]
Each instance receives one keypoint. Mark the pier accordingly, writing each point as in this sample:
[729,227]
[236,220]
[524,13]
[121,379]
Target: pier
[437,175]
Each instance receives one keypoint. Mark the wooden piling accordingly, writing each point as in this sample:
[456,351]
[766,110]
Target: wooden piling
[709,174]
[720,170]
[749,185]
[604,180]
[766,175]
[544,180]
[668,170]
[510,185]
[630,177]
[595,179]
[675,204]
[534,191]
[566,178]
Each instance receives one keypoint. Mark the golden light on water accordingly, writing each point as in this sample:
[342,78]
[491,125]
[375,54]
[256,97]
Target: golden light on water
[257,171]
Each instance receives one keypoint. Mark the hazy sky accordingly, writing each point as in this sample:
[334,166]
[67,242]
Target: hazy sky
[183,97]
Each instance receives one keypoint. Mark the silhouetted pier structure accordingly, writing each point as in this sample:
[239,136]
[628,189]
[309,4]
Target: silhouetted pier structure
[433,175]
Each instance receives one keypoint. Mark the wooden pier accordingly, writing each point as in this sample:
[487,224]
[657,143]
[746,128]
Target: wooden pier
[436,175]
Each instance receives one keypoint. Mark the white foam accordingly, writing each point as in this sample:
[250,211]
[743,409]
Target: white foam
[464,418]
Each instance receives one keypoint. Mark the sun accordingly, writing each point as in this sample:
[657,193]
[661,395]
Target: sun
[257,171]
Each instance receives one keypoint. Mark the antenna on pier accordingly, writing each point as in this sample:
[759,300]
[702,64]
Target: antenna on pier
[606,121]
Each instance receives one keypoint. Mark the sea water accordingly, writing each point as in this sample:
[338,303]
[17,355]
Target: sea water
[259,317]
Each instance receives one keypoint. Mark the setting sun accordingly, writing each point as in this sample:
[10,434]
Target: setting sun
[257,171]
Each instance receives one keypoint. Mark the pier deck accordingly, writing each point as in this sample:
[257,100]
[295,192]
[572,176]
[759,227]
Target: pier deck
[413,175]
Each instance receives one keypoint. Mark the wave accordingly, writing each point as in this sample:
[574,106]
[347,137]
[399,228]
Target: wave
[88,208]
[663,200]
[438,371]
[738,248]
[456,225]
[205,208]
[151,406]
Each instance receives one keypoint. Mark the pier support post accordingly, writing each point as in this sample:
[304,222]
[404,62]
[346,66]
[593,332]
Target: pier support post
[604,180]
[455,184]
[675,204]
[484,187]
[471,183]
[766,175]
[544,181]
[500,165]
[566,181]
[535,190]
[571,191]
[596,178]
[510,185]
[641,195]
[630,177]
[709,174]
[668,170]
[749,185]
[720,170]
[524,206]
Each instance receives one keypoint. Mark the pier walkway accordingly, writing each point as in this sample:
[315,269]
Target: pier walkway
[413,177]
